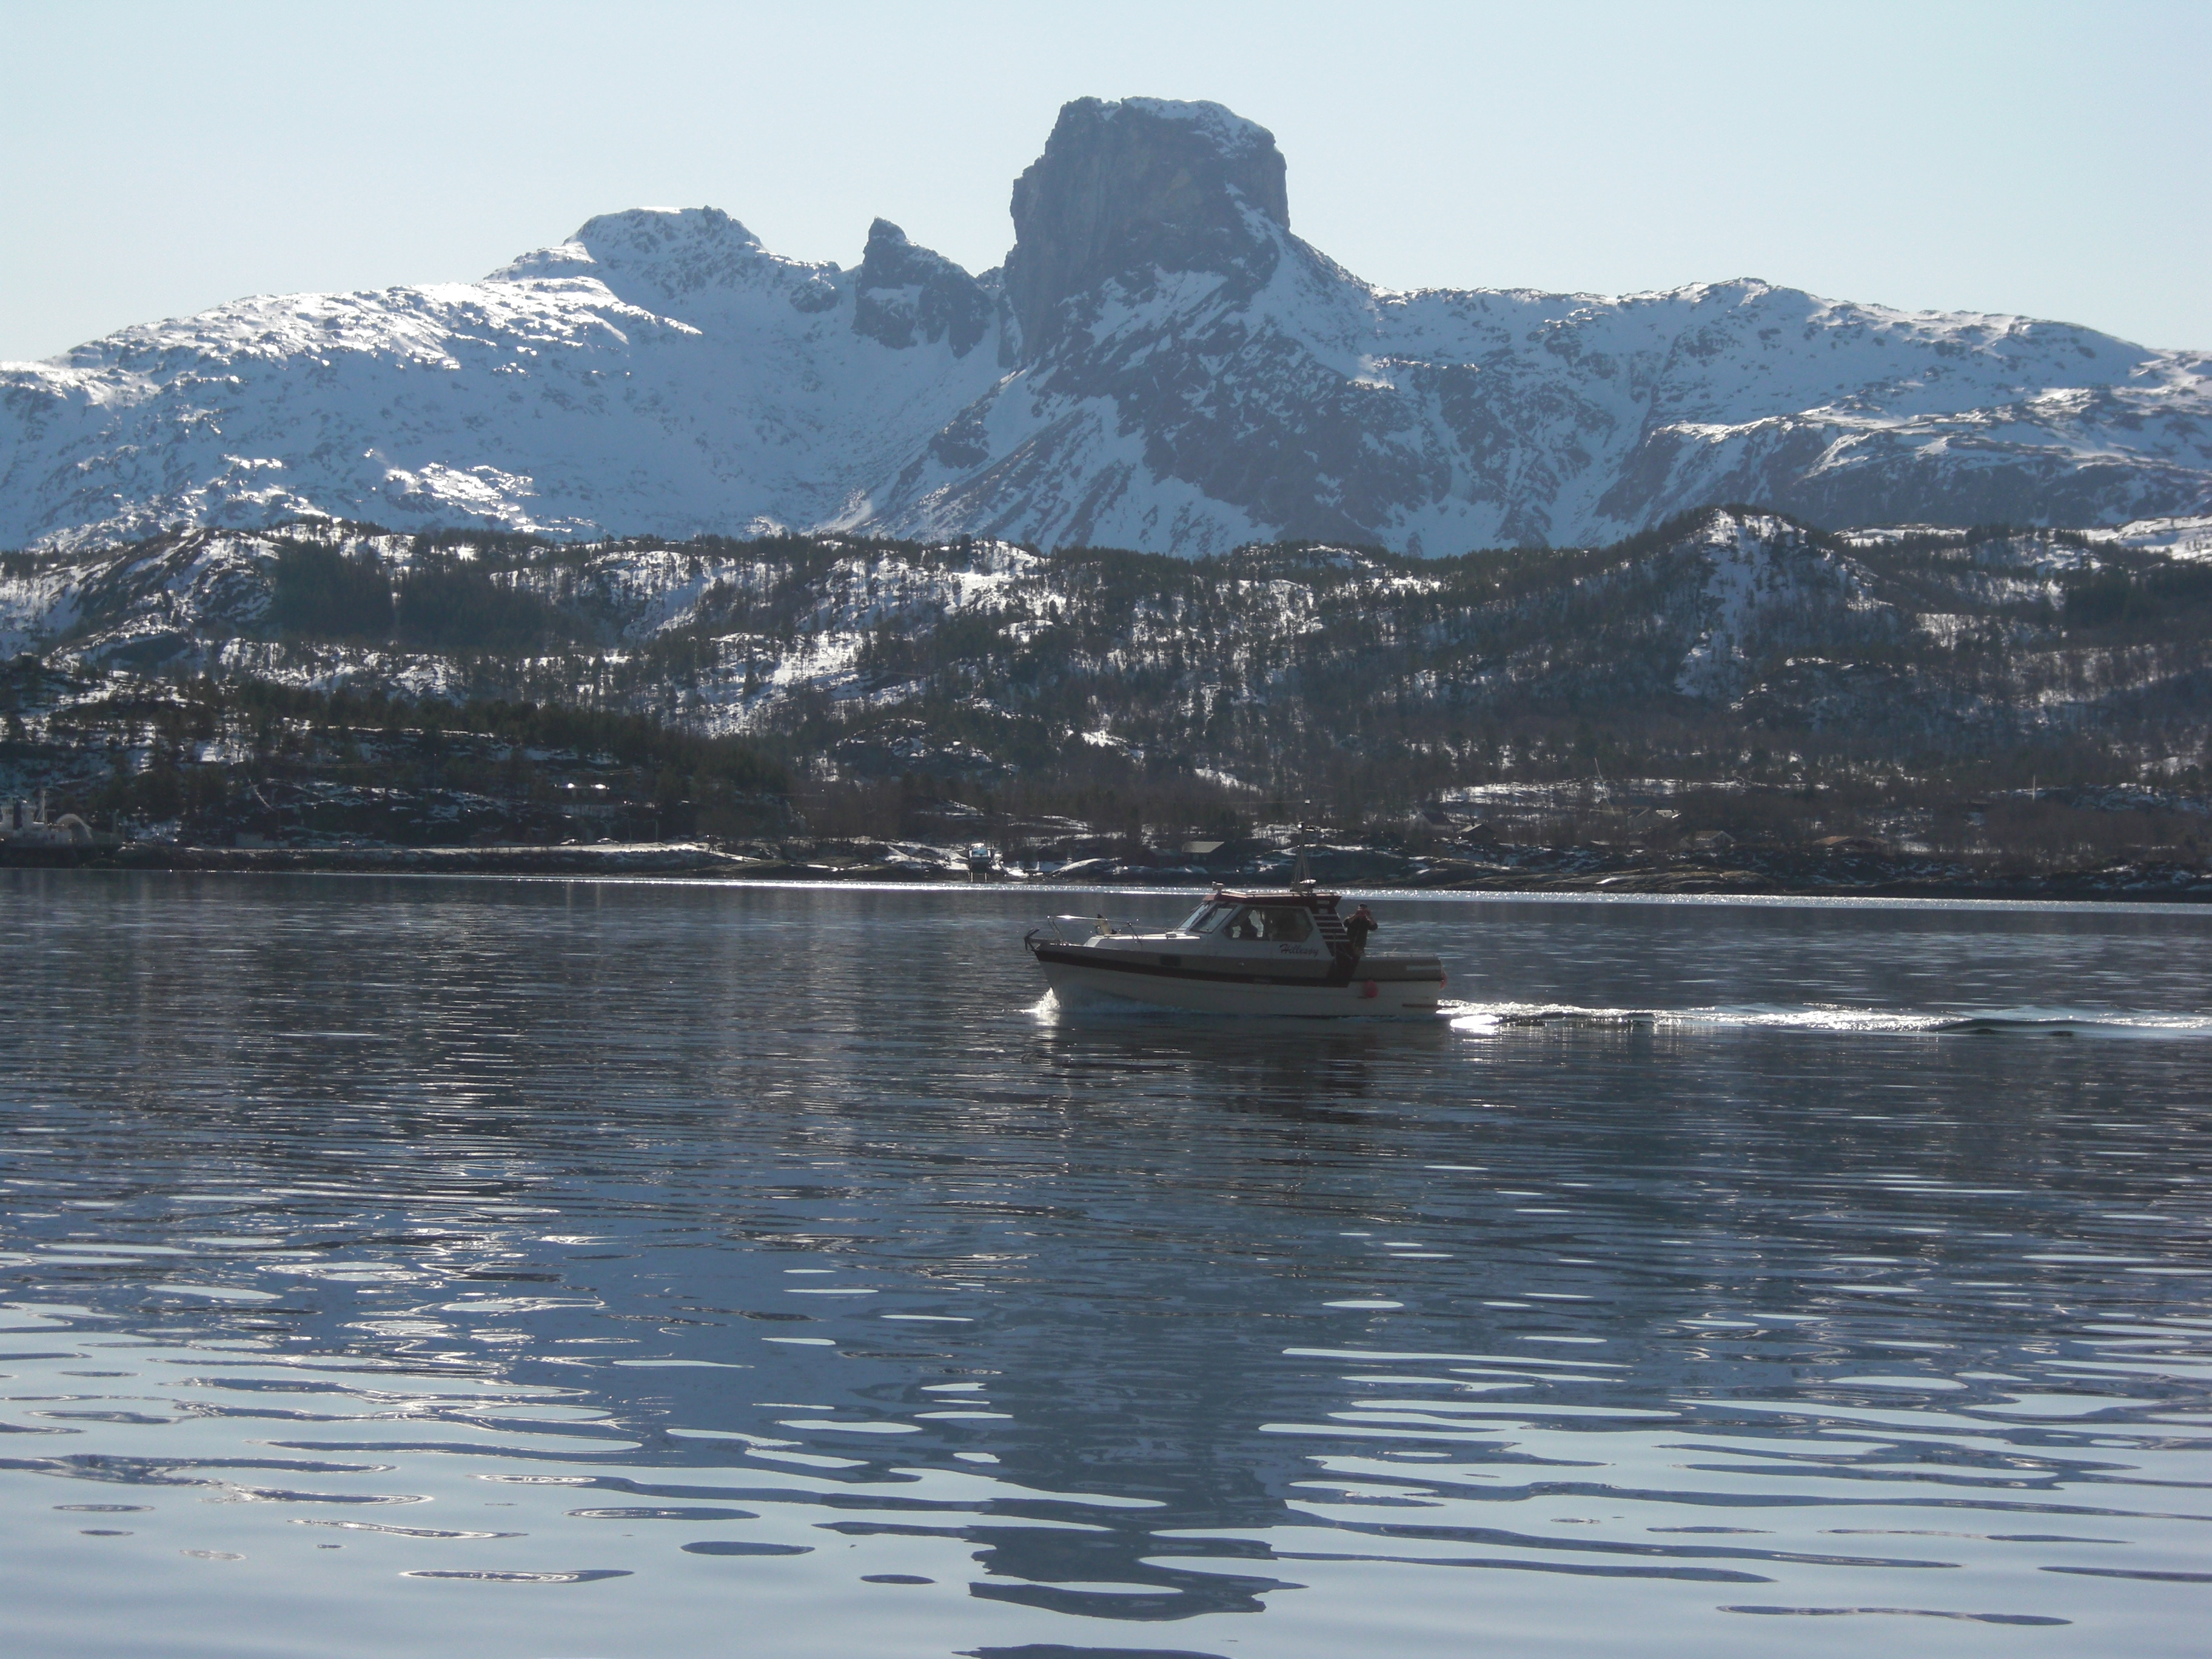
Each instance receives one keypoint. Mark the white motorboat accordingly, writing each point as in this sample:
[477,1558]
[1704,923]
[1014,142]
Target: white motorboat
[1283,952]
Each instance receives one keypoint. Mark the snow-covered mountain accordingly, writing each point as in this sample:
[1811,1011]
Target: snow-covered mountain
[1160,364]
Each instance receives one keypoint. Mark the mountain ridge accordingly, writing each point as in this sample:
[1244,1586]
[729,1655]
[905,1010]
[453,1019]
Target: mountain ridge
[1159,364]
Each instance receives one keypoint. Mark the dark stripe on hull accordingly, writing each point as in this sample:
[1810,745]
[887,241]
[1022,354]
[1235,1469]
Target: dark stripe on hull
[1133,962]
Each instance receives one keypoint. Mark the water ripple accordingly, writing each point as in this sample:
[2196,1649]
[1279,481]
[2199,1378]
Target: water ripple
[458,1238]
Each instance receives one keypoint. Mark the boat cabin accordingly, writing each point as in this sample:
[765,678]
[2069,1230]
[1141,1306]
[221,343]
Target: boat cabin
[1292,917]
[1258,922]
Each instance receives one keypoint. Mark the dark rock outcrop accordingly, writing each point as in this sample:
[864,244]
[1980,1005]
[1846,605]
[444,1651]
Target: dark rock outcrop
[1124,188]
[908,294]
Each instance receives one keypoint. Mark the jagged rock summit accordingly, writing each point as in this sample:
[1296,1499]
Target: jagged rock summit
[1160,364]
[1125,190]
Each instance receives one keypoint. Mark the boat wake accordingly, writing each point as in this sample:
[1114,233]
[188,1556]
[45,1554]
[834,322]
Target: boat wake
[1484,1018]
[1505,1018]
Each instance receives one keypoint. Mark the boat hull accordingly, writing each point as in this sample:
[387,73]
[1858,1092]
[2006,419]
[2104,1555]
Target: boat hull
[1405,989]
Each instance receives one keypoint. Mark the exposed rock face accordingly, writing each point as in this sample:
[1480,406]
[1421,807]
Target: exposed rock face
[1192,375]
[1125,189]
[1163,366]
[906,294]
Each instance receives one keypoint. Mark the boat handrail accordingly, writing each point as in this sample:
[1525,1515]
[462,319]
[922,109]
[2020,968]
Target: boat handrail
[1081,927]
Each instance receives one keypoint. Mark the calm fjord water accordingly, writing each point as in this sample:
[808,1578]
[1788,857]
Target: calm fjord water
[509,1268]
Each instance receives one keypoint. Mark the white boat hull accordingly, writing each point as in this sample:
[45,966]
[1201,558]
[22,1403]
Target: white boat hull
[1082,985]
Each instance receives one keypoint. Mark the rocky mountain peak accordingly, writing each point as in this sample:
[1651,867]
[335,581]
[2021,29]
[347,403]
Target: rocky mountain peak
[678,244]
[1123,188]
[909,296]
[675,260]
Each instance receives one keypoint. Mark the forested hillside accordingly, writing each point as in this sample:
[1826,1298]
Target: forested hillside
[1776,678]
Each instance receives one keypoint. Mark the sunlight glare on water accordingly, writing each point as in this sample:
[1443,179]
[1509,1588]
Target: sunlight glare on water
[399,1267]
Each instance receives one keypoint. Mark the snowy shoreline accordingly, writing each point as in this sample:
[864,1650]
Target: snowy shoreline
[1793,872]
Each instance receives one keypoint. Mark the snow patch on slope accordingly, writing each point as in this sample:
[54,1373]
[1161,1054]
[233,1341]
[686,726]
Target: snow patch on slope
[2187,538]
[1761,570]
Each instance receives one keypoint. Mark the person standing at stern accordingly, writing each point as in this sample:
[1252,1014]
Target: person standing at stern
[1357,927]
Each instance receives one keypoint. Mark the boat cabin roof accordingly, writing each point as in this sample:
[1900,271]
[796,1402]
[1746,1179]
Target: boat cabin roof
[1304,897]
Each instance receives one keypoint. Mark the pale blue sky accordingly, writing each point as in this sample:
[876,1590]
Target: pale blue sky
[2045,158]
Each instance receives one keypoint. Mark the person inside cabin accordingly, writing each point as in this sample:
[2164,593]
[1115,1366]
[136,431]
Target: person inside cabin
[1357,927]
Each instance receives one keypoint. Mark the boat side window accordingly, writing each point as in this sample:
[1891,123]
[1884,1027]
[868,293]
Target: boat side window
[1270,924]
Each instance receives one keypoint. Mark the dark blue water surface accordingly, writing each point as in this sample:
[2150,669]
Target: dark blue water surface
[416,1267]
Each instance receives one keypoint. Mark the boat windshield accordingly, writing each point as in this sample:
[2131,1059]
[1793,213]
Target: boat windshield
[1273,924]
[1205,919]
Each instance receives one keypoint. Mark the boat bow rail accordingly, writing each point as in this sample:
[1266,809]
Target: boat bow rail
[1076,930]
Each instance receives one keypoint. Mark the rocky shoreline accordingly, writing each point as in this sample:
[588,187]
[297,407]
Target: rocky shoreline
[1849,871]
